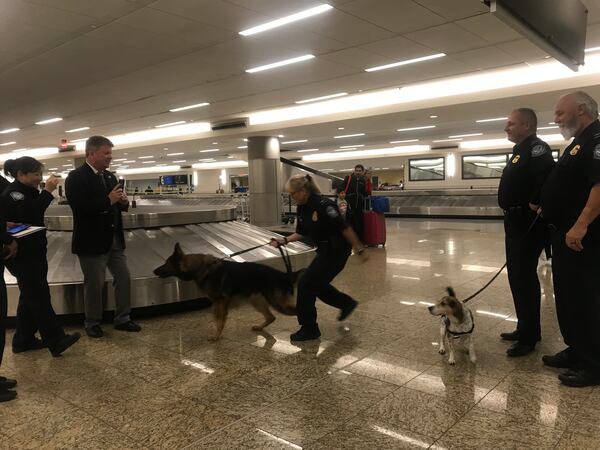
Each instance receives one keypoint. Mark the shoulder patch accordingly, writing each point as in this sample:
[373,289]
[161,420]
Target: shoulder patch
[332,212]
[597,151]
[538,150]
[17,196]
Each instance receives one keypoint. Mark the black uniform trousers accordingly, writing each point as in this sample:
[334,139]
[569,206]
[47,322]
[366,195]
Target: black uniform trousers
[3,310]
[576,278]
[316,283]
[523,249]
[34,312]
[357,204]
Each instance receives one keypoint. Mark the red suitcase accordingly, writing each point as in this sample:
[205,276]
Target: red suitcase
[374,228]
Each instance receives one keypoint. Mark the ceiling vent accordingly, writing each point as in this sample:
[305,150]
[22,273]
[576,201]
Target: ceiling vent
[241,122]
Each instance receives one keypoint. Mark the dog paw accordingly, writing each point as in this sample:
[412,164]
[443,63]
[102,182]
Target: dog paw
[213,338]
[257,328]
[451,362]
[473,359]
[442,351]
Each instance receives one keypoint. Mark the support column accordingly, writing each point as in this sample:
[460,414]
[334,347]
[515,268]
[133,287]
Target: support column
[264,179]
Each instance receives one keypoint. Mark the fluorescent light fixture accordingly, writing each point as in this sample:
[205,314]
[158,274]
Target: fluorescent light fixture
[424,127]
[7,143]
[404,141]
[129,162]
[295,142]
[180,161]
[47,121]
[285,62]
[448,140]
[325,97]
[170,124]
[551,123]
[9,130]
[591,49]
[33,152]
[207,159]
[352,146]
[210,150]
[75,130]
[145,157]
[67,165]
[148,162]
[184,108]
[495,119]
[287,19]
[245,139]
[243,146]
[19,149]
[120,159]
[142,170]
[548,128]
[433,117]
[220,165]
[174,154]
[374,153]
[464,135]
[306,150]
[406,62]
[348,135]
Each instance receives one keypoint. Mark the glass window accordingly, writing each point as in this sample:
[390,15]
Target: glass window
[483,166]
[426,169]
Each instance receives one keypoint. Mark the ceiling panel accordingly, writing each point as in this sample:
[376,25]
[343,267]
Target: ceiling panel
[447,38]
[485,58]
[454,9]
[354,57]
[43,16]
[279,8]
[397,48]
[489,28]
[94,8]
[522,49]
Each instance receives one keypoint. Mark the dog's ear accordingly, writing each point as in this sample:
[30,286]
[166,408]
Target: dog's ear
[177,250]
[450,292]
[457,308]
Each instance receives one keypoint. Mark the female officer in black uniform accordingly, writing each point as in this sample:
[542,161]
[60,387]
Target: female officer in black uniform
[319,219]
[21,202]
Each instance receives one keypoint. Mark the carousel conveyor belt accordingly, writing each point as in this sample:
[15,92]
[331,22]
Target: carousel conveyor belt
[151,231]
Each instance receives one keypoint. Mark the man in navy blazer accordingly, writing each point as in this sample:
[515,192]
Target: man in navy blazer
[97,200]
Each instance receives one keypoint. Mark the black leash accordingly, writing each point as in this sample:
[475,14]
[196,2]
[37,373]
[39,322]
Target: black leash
[245,251]
[534,221]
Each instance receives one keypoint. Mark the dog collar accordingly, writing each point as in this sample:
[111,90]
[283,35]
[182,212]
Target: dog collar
[459,333]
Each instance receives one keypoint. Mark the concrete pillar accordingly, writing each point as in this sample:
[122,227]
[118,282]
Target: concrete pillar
[264,178]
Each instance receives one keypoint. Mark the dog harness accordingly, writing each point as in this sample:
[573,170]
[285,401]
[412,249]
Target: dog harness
[457,334]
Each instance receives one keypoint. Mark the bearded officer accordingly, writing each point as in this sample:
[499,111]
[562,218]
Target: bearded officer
[519,198]
[571,203]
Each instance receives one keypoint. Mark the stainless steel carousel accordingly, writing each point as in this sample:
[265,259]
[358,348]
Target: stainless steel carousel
[151,231]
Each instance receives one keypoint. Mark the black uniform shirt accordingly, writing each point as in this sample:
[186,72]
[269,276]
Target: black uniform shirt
[23,204]
[320,219]
[524,175]
[567,189]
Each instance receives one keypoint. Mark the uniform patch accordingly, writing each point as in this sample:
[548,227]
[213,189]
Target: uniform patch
[597,152]
[516,159]
[575,150]
[17,196]
[332,212]
[315,216]
[538,150]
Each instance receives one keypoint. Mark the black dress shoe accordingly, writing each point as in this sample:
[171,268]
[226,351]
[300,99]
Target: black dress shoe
[130,326]
[562,360]
[580,378]
[7,383]
[63,343]
[306,333]
[36,344]
[95,331]
[6,396]
[520,349]
[512,336]
[347,311]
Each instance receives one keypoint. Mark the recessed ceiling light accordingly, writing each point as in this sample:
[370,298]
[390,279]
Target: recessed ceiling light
[448,140]
[210,150]
[148,162]
[287,19]
[171,124]
[308,150]
[53,168]
[348,135]
[433,117]
[464,135]
[47,121]
[406,62]
[341,128]
[120,159]
[75,130]
[129,162]
[145,157]
[404,141]
[7,143]
[230,157]
[174,154]
[67,165]
[351,146]
[207,159]
[9,130]
[425,127]
[183,108]
[285,62]
[551,123]
[496,119]
[214,143]
[325,97]
[295,142]
[243,146]
[179,161]
[281,136]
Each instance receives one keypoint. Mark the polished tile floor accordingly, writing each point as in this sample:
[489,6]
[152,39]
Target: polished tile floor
[375,381]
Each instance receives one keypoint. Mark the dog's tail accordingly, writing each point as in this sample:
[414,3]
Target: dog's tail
[450,292]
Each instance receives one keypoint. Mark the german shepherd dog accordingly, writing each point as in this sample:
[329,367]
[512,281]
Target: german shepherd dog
[223,281]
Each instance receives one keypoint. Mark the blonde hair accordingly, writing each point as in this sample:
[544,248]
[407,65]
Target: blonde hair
[300,181]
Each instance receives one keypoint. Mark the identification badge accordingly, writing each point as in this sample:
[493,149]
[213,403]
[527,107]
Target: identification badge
[574,150]
[597,152]
[17,195]
[516,159]
[315,216]
[538,150]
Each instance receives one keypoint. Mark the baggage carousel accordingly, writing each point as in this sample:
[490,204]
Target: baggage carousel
[151,231]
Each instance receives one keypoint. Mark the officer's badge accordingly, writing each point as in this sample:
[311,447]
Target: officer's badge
[332,212]
[575,150]
[315,216]
[17,196]
[516,159]
[538,150]
[597,152]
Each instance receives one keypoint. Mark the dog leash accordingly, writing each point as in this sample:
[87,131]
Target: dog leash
[533,222]
[245,251]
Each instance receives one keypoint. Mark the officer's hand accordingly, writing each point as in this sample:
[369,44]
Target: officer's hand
[116,194]
[534,208]
[51,183]
[276,242]
[124,199]
[574,237]
[10,250]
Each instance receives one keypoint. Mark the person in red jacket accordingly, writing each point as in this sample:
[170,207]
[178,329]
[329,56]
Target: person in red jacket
[357,187]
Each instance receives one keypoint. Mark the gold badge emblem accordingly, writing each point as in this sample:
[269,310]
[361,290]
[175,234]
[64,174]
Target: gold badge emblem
[315,216]
[516,159]
[574,150]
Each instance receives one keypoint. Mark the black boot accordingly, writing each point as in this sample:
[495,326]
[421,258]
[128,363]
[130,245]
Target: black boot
[306,333]
[512,336]
[6,396]
[63,343]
